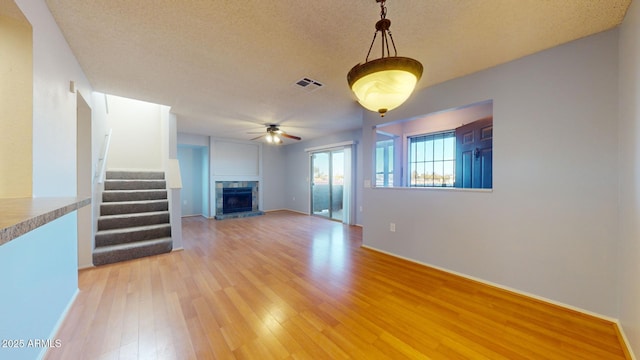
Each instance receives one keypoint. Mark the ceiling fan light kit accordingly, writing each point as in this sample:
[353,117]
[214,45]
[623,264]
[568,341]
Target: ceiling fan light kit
[274,135]
[273,139]
[384,84]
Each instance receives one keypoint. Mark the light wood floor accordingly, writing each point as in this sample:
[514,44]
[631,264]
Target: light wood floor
[290,286]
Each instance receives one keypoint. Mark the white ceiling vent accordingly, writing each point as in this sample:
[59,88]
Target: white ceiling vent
[308,85]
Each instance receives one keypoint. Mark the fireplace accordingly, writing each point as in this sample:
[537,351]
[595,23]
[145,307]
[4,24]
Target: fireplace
[236,200]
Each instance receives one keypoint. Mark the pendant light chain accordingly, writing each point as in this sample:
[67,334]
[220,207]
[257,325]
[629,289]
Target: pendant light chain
[382,26]
[371,46]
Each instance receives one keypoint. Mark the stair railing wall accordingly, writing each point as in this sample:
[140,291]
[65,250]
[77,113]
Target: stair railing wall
[99,183]
[102,160]
[174,185]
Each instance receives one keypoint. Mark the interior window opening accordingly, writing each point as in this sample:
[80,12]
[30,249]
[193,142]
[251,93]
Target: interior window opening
[447,149]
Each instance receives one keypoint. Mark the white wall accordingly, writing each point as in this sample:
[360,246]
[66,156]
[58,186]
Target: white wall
[137,140]
[54,106]
[234,160]
[99,131]
[172,168]
[549,227]
[629,162]
[194,140]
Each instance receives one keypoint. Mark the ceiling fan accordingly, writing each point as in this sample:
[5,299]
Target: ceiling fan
[274,135]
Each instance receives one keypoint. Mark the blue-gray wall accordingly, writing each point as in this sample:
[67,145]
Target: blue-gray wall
[274,176]
[629,209]
[194,173]
[550,225]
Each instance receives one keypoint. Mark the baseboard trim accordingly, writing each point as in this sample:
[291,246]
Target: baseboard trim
[496,285]
[624,341]
[289,210]
[306,213]
[615,322]
[56,328]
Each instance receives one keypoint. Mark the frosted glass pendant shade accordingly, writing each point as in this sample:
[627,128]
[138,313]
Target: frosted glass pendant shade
[384,84]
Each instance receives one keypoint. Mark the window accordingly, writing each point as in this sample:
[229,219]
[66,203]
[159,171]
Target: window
[384,163]
[432,160]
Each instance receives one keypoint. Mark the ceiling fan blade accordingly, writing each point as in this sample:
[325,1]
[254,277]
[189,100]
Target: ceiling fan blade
[257,137]
[290,136]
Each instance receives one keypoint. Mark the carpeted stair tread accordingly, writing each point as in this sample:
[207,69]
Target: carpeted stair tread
[108,222]
[134,217]
[130,207]
[122,252]
[133,228]
[133,195]
[134,184]
[157,175]
[124,216]
[131,234]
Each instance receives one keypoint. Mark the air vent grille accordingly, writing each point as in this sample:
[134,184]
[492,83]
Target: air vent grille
[308,85]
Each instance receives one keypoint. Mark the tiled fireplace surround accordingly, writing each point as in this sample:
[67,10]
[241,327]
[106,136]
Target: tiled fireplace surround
[254,185]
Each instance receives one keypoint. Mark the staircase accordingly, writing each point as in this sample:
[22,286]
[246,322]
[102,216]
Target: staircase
[134,217]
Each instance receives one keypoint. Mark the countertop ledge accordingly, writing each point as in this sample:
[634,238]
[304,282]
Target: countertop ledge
[20,215]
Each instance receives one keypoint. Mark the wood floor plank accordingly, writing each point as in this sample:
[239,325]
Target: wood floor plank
[180,335]
[306,289]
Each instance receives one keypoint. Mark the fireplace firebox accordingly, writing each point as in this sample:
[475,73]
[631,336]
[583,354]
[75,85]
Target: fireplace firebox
[237,200]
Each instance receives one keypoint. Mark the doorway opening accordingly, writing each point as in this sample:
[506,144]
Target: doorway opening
[194,172]
[328,184]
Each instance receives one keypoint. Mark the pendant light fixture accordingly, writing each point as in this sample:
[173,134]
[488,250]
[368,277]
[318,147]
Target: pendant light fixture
[384,84]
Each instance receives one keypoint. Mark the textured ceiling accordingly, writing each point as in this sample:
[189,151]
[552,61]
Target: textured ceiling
[228,67]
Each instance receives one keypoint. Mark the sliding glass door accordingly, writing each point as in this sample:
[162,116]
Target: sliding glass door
[327,185]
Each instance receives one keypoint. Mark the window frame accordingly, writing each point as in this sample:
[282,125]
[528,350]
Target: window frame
[447,135]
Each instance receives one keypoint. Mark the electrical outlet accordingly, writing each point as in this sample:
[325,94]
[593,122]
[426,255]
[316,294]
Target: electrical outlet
[392,227]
